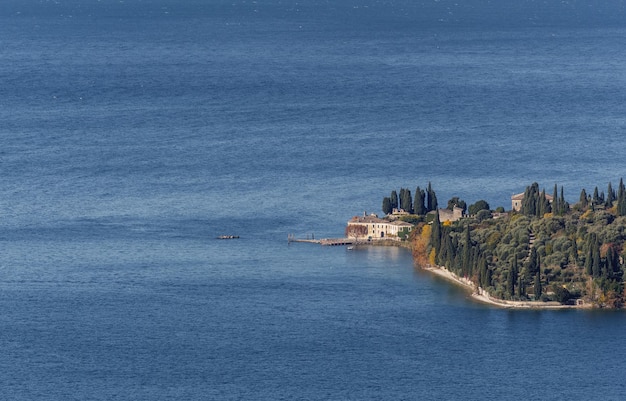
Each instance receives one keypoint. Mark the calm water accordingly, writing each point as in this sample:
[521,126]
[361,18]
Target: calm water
[133,133]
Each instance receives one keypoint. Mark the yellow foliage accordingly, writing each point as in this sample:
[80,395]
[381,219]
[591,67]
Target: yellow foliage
[547,215]
[420,246]
[586,215]
[447,223]
[431,257]
[426,232]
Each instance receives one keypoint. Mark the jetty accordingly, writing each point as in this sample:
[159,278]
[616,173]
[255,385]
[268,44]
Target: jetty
[323,241]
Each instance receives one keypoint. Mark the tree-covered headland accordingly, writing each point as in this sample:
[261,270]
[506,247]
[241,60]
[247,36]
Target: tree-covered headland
[549,250]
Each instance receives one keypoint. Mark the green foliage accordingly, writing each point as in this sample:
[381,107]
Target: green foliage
[570,252]
[412,218]
[406,202]
[394,199]
[431,199]
[419,206]
[387,209]
[535,203]
[569,249]
[483,215]
[478,206]
[561,294]
[455,201]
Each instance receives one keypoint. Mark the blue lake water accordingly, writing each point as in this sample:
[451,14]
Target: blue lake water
[134,133]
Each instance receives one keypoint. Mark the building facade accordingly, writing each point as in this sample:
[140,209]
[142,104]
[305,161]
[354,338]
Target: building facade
[372,227]
[516,201]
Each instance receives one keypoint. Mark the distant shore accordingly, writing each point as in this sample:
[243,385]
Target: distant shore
[482,296]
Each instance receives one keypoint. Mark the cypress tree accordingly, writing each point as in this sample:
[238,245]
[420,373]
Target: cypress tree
[451,250]
[621,199]
[563,206]
[435,235]
[512,279]
[431,199]
[541,210]
[467,252]
[610,196]
[556,208]
[533,265]
[596,197]
[538,286]
[589,256]
[387,205]
[521,290]
[418,206]
[596,268]
[408,202]
[484,273]
[583,199]
[394,199]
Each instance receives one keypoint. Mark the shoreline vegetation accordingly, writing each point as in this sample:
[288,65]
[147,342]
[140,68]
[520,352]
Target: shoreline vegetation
[482,296]
[542,254]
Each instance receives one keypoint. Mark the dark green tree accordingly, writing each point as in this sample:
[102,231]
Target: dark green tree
[621,199]
[538,286]
[556,206]
[596,197]
[533,262]
[477,207]
[485,273]
[521,289]
[431,199]
[512,279]
[387,205]
[467,253]
[406,202]
[534,203]
[419,206]
[561,294]
[596,268]
[543,204]
[455,201]
[394,199]
[610,196]
[435,234]
[583,200]
[563,206]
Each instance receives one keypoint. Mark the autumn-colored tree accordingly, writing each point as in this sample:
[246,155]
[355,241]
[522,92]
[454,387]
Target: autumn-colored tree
[421,244]
[356,231]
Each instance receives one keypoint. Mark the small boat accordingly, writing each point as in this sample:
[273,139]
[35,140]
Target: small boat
[350,248]
[228,237]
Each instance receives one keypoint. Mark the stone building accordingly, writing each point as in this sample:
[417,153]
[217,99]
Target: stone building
[516,201]
[372,227]
[450,215]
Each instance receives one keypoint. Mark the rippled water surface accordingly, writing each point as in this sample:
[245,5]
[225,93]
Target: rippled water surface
[134,133]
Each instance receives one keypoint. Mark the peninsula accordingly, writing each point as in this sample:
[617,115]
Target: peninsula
[543,253]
